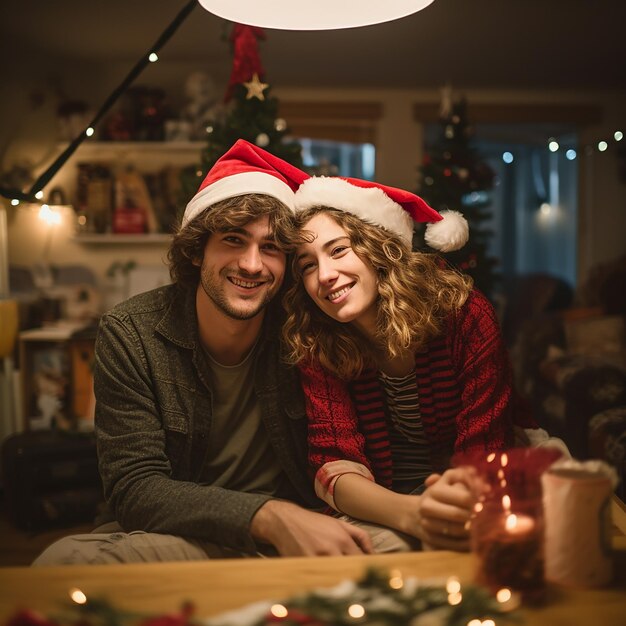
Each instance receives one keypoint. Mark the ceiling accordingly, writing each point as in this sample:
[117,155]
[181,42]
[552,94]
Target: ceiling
[520,44]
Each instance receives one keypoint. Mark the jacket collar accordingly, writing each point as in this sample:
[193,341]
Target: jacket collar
[179,323]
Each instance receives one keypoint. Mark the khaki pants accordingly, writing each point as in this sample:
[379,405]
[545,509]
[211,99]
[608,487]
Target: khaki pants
[110,544]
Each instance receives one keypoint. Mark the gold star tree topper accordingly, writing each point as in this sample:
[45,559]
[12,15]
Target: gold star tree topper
[255,88]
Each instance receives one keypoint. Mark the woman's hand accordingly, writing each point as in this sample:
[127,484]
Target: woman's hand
[444,510]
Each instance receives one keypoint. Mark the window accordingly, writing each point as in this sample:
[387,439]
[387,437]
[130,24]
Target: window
[323,157]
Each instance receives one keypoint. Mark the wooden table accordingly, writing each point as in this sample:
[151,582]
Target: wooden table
[220,585]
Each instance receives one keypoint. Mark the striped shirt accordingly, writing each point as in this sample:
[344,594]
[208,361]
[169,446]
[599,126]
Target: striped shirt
[409,447]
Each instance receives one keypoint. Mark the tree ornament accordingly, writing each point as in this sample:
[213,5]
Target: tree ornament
[449,132]
[255,88]
[280,124]
[262,140]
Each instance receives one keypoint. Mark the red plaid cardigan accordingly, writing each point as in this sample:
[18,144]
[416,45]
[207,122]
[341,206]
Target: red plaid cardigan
[466,399]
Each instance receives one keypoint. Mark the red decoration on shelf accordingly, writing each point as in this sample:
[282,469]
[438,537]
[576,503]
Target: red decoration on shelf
[246,59]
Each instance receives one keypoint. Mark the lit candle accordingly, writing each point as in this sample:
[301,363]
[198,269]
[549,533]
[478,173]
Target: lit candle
[509,548]
[519,525]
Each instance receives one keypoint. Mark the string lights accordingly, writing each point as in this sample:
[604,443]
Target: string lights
[32,195]
[508,156]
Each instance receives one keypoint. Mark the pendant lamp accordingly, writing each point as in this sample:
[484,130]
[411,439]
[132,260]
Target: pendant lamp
[312,14]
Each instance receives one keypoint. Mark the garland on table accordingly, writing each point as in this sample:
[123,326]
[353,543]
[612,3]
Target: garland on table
[377,599]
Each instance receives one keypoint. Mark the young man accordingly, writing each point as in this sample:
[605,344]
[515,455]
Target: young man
[201,429]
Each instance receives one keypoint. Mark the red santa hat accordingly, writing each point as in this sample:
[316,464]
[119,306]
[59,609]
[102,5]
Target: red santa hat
[389,207]
[245,169]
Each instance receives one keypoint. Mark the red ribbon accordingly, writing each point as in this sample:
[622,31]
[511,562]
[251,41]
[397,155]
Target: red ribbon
[246,59]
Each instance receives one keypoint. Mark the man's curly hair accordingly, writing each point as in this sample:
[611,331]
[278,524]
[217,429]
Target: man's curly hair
[188,243]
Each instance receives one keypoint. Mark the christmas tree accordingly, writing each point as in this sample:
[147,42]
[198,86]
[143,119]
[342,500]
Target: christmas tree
[453,176]
[250,111]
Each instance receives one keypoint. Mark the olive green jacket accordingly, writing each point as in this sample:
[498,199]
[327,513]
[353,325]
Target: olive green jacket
[153,422]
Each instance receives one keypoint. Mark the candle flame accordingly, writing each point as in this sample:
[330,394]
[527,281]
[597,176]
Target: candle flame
[511,521]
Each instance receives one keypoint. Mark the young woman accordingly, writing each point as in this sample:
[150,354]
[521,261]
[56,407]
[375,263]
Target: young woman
[401,360]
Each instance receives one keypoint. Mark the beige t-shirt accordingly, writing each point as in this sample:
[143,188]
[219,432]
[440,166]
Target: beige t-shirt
[240,454]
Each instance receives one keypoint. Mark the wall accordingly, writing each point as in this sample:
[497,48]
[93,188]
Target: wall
[399,137]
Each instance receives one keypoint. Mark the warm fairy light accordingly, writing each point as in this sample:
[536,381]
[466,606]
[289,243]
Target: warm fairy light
[503,595]
[356,611]
[395,579]
[89,132]
[506,501]
[602,146]
[478,507]
[503,483]
[455,598]
[511,521]
[553,146]
[15,202]
[570,154]
[279,610]
[78,596]
[474,622]
[618,135]
[453,585]
[39,195]
[504,459]
[49,216]
[491,457]
[153,57]
[488,622]
[500,473]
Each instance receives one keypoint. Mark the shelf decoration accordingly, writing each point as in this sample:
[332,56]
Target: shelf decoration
[378,598]
[151,56]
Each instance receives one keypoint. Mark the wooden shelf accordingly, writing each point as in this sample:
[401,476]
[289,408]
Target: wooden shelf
[89,148]
[121,239]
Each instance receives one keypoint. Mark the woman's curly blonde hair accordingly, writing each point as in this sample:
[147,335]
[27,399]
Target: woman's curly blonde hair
[415,295]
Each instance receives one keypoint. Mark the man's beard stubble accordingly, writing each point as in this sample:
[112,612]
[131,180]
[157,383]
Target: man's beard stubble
[215,292]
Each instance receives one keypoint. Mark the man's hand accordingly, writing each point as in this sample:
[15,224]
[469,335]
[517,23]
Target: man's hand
[294,531]
[445,509]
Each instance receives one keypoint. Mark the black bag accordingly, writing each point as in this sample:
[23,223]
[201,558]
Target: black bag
[50,479]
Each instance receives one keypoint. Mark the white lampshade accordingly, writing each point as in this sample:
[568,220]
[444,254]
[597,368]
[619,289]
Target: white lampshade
[313,14]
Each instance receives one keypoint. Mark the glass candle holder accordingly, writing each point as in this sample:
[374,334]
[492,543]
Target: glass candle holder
[507,525]
[507,540]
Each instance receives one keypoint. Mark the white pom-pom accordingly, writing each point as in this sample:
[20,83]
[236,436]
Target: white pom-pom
[450,233]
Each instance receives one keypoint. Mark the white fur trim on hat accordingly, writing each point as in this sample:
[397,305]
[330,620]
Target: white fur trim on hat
[238,185]
[451,233]
[370,204]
